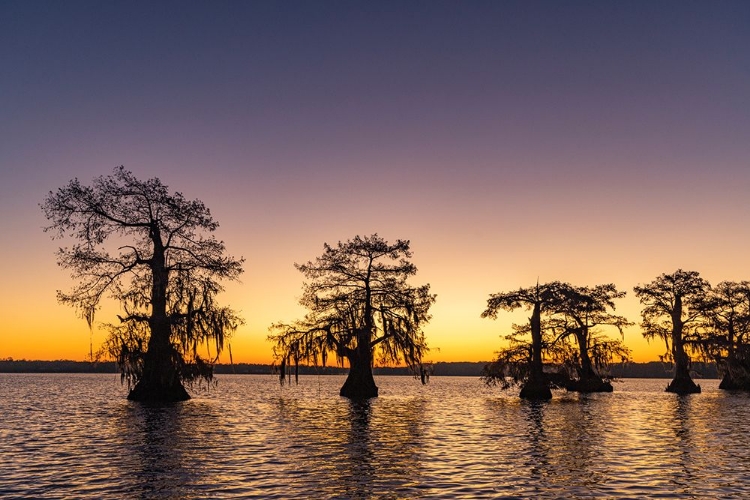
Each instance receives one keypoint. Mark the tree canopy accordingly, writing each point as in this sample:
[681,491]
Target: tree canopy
[153,252]
[525,362]
[726,330]
[672,308]
[580,313]
[566,347]
[361,308]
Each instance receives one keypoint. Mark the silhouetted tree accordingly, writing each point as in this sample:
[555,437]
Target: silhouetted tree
[512,364]
[727,327]
[359,303]
[151,251]
[580,311]
[672,305]
[523,361]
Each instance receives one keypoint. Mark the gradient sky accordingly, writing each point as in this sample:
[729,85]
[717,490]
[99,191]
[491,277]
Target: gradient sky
[589,142]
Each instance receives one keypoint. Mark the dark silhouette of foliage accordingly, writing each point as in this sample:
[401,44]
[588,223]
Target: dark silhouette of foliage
[672,312]
[566,348]
[521,361]
[150,250]
[726,311]
[513,364]
[578,314]
[360,305]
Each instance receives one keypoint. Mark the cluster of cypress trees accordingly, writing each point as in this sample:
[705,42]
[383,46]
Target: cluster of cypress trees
[567,350]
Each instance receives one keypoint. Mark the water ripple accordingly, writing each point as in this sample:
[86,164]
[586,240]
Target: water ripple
[75,436]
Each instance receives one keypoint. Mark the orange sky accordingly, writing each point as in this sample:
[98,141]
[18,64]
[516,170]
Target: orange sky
[462,276]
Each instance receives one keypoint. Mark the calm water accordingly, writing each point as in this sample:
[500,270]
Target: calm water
[75,436]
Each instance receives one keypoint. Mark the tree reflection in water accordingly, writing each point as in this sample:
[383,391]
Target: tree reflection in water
[351,449]
[156,438]
[559,447]
[382,449]
[538,456]
[357,481]
[579,437]
[683,433]
[451,439]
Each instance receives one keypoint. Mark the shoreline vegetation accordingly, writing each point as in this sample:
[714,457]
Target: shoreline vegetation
[651,369]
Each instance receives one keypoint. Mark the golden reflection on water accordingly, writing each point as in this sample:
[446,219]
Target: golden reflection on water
[77,437]
[349,447]
[155,440]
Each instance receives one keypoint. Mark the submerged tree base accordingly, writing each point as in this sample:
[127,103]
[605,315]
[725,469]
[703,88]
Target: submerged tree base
[683,386]
[728,383]
[589,385]
[357,393]
[157,393]
[359,384]
[532,390]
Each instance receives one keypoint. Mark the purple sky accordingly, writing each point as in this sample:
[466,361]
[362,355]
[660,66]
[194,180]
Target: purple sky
[586,141]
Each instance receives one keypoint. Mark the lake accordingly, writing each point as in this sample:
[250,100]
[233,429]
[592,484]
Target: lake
[76,436]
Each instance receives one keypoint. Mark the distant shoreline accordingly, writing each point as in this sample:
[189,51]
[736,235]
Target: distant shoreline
[652,369]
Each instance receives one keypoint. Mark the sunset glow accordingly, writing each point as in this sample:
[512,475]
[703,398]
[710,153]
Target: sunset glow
[510,142]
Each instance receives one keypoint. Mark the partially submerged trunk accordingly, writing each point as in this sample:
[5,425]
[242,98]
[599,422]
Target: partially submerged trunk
[728,383]
[161,380]
[592,384]
[736,373]
[537,385]
[683,385]
[735,377]
[682,382]
[360,383]
[588,379]
[158,388]
[536,389]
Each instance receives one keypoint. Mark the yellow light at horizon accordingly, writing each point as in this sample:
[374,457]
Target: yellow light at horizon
[35,326]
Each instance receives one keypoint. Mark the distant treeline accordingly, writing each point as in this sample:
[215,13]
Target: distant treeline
[59,366]
[653,369]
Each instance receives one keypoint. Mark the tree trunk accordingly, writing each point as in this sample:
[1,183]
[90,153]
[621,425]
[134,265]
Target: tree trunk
[728,381]
[360,383]
[588,379]
[682,382]
[536,389]
[736,372]
[587,370]
[537,385]
[161,380]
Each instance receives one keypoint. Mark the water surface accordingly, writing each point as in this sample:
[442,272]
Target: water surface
[76,436]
